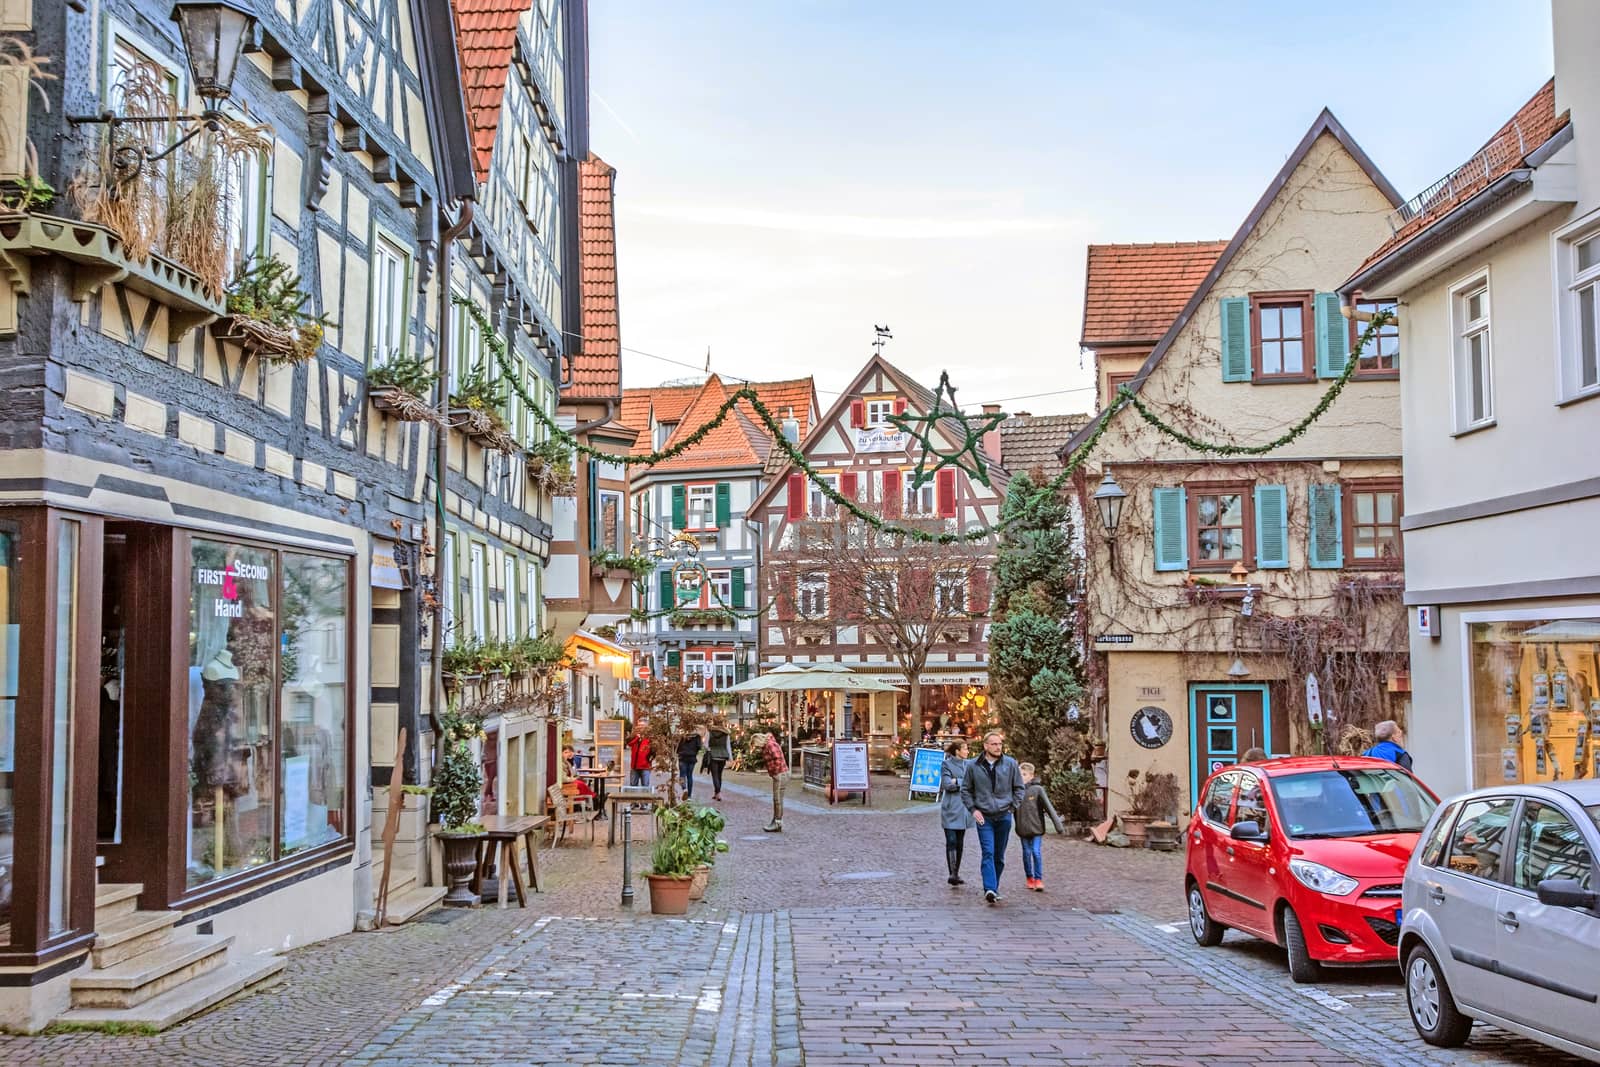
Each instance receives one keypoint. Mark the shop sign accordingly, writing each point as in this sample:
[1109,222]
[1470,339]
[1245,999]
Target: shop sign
[879,439]
[927,765]
[1114,639]
[227,605]
[1151,727]
[385,568]
[850,767]
[953,679]
[1152,692]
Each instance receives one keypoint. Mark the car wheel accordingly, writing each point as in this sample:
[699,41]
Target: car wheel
[1433,1009]
[1206,930]
[1302,968]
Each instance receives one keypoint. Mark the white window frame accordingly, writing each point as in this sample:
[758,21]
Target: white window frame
[696,670]
[811,595]
[244,208]
[878,412]
[391,305]
[920,499]
[1569,293]
[1462,331]
[700,506]
[718,592]
[448,589]
[478,588]
[513,628]
[817,505]
[881,591]
[531,590]
[724,670]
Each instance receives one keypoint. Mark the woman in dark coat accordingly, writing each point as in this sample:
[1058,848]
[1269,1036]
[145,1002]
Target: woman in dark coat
[688,752]
[953,814]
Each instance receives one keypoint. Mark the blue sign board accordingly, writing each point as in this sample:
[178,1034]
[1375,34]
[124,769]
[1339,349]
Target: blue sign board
[925,766]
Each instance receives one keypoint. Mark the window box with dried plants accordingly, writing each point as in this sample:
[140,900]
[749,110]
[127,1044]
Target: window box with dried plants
[400,386]
[267,315]
[475,407]
[550,468]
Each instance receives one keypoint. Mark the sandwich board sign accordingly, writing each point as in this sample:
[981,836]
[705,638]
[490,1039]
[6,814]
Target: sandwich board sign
[850,769]
[926,767]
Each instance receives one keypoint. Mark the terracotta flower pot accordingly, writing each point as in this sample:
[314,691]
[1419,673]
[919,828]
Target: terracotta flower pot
[1134,827]
[460,863]
[669,894]
[697,884]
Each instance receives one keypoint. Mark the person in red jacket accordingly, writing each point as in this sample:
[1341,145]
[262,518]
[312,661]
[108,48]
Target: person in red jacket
[778,768]
[639,759]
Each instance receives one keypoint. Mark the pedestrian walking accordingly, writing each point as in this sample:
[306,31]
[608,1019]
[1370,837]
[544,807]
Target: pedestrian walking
[719,750]
[639,759]
[1030,826]
[689,749]
[778,768]
[992,790]
[953,814]
[1391,740]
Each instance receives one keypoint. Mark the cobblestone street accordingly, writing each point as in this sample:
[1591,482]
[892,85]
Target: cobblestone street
[835,943]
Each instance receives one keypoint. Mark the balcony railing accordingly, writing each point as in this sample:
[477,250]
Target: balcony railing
[1497,157]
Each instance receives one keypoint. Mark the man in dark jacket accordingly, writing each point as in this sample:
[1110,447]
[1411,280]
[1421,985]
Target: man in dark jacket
[992,790]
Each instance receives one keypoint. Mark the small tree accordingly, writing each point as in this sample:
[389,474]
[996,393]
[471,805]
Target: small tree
[1034,659]
[671,713]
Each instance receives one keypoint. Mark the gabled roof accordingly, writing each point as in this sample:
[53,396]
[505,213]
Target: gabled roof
[486,36]
[1534,124]
[1325,123]
[919,397]
[735,442]
[663,403]
[798,394]
[1029,441]
[671,403]
[1131,293]
[596,367]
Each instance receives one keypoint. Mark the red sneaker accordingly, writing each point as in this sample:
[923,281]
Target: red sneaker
[1038,885]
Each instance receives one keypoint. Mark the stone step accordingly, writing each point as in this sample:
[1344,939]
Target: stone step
[408,905]
[113,899]
[190,998]
[130,934]
[148,975]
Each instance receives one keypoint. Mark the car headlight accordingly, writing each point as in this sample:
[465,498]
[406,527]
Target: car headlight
[1322,879]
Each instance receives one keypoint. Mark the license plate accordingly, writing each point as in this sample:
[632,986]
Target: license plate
[1399,916]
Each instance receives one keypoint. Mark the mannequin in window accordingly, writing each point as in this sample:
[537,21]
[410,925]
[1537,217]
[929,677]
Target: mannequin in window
[216,728]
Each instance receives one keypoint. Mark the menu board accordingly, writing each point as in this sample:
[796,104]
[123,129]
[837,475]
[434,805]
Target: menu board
[608,742]
[850,767]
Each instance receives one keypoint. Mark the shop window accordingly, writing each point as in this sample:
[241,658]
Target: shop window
[1535,697]
[268,706]
[64,690]
[10,649]
[1372,511]
[1220,521]
[314,702]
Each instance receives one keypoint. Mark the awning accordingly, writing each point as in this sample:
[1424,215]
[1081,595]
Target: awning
[605,653]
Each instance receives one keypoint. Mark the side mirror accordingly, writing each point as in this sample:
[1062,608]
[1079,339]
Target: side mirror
[1247,831]
[1566,893]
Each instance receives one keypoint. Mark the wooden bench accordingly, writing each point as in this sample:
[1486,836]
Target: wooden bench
[503,832]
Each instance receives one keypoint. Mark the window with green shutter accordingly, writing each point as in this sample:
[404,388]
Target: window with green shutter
[1325,543]
[1171,535]
[1235,338]
[724,505]
[664,580]
[738,587]
[1333,346]
[680,508]
[1272,527]
[674,658]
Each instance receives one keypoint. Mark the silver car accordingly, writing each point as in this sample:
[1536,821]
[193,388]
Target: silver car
[1502,921]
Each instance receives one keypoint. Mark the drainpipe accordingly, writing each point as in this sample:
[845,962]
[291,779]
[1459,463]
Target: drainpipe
[585,427]
[441,446]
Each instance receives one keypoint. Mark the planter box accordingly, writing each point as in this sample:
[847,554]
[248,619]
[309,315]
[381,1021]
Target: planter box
[397,403]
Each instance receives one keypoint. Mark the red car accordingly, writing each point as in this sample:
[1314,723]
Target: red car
[1307,852]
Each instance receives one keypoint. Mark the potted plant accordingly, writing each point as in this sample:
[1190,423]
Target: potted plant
[400,386]
[457,785]
[1152,796]
[672,864]
[463,664]
[267,313]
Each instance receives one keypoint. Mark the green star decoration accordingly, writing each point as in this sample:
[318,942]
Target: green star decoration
[968,456]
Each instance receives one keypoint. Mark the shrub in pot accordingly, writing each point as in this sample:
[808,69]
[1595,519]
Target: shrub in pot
[457,785]
[1152,796]
[671,873]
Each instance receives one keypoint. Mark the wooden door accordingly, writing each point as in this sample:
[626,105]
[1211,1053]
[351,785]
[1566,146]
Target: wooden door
[1227,722]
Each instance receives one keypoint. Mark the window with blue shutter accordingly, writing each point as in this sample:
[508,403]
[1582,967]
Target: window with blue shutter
[680,508]
[1235,338]
[1272,527]
[737,587]
[724,505]
[1325,544]
[1333,336]
[1171,531]
[664,579]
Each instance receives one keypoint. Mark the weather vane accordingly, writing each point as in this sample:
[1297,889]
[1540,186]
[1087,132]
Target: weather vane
[883,338]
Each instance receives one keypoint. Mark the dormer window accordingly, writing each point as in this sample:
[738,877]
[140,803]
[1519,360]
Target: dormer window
[878,412]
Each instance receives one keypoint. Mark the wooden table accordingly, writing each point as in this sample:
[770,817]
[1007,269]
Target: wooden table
[504,831]
[599,778]
[629,796]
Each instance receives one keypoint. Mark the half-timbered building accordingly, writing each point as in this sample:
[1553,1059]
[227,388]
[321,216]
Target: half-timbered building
[813,617]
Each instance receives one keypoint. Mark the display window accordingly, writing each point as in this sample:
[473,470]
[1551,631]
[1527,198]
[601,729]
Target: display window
[1535,695]
[10,651]
[268,705]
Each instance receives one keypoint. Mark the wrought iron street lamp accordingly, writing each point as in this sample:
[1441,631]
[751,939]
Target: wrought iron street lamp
[1109,499]
[213,32]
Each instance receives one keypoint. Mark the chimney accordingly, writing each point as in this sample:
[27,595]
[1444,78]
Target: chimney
[991,440]
[791,427]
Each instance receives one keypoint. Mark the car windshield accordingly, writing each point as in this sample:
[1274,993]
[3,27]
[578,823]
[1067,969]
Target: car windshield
[1351,803]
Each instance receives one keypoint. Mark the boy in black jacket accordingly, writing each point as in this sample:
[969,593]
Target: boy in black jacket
[1030,827]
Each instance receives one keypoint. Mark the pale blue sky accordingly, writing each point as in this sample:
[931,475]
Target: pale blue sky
[790,174]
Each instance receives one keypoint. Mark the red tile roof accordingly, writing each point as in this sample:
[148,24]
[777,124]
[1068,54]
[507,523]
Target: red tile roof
[796,394]
[735,442]
[486,35]
[686,407]
[597,365]
[1533,124]
[1132,293]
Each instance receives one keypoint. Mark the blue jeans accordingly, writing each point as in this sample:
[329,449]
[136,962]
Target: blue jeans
[1033,856]
[686,772]
[993,834]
